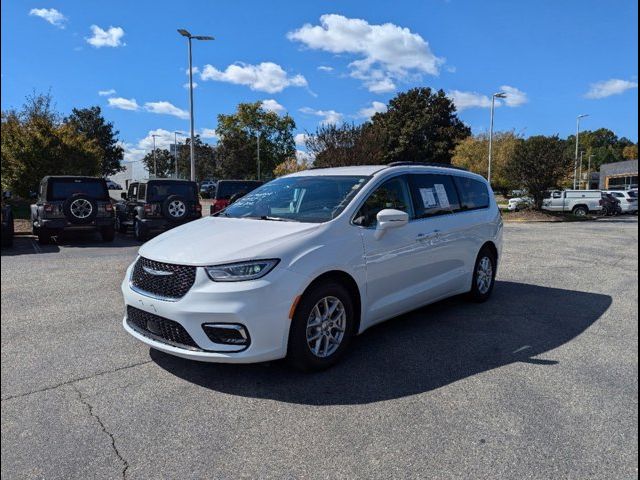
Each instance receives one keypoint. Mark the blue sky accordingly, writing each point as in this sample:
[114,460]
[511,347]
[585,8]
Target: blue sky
[327,61]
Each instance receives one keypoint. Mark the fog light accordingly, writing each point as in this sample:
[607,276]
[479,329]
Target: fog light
[227,333]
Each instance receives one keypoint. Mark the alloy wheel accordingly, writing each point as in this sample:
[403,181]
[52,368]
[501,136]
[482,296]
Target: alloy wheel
[326,327]
[484,275]
[81,208]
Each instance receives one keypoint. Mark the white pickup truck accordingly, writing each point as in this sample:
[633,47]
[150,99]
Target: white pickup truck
[578,202]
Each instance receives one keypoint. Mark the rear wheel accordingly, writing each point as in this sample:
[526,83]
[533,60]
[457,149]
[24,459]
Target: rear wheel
[321,328]
[140,231]
[580,211]
[484,276]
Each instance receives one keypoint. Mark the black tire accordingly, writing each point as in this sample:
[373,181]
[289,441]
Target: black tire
[580,211]
[108,234]
[76,217]
[44,236]
[299,353]
[175,215]
[480,293]
[140,231]
[119,226]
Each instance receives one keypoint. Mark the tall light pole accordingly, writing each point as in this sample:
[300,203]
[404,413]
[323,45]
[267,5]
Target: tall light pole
[575,164]
[580,174]
[155,165]
[493,107]
[175,148]
[190,37]
[259,135]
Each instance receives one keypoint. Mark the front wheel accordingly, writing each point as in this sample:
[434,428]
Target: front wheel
[580,211]
[322,327]
[484,276]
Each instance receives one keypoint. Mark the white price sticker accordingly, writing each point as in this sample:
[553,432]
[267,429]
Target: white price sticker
[442,195]
[428,197]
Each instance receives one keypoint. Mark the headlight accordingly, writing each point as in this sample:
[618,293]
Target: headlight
[237,272]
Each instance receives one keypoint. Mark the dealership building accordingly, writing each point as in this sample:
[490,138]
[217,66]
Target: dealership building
[619,175]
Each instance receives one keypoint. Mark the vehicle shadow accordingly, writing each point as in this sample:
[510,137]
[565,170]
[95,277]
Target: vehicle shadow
[417,352]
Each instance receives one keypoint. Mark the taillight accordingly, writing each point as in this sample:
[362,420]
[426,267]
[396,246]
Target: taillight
[147,208]
[198,207]
[108,207]
[151,209]
[48,207]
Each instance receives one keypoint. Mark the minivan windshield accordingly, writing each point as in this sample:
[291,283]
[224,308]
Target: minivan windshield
[312,199]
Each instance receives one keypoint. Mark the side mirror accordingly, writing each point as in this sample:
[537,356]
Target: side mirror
[123,195]
[390,218]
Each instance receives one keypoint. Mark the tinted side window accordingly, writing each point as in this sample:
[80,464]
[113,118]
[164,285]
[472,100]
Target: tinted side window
[433,195]
[473,193]
[133,191]
[393,194]
[142,191]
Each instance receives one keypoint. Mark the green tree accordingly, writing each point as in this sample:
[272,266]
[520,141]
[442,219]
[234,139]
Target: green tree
[91,123]
[35,143]
[602,145]
[630,152]
[472,153]
[205,159]
[538,164]
[346,144]
[291,165]
[420,125]
[162,165]
[238,146]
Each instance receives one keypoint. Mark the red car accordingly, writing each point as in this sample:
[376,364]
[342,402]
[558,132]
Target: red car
[228,191]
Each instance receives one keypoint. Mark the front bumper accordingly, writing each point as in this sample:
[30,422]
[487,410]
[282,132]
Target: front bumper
[261,306]
[162,224]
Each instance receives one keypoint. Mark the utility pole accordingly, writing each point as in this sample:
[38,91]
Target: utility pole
[575,164]
[580,175]
[589,172]
[155,164]
[259,135]
[493,106]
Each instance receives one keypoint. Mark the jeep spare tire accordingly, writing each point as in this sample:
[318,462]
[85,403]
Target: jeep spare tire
[80,209]
[174,208]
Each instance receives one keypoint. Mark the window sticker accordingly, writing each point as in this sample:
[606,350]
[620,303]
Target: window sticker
[428,198]
[442,195]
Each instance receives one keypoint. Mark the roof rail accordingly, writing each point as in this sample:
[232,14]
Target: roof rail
[425,164]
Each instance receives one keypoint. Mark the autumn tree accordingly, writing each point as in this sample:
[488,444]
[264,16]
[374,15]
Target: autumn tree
[630,152]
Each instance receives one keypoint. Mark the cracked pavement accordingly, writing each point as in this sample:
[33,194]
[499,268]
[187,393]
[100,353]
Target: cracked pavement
[540,382]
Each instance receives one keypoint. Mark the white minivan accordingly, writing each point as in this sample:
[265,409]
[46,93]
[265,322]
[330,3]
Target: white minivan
[301,265]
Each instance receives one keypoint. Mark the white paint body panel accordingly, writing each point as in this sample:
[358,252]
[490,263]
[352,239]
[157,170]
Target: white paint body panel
[408,267]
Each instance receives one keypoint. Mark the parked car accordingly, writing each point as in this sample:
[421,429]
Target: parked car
[304,263]
[7,221]
[208,190]
[628,200]
[228,190]
[152,206]
[577,202]
[520,203]
[610,204]
[72,203]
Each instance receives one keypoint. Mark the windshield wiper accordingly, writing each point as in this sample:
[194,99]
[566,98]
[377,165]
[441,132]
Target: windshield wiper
[277,219]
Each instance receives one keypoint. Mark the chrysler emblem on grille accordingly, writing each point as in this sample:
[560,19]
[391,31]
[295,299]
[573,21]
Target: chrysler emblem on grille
[153,271]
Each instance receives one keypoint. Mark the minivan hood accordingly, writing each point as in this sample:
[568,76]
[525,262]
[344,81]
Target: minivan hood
[215,240]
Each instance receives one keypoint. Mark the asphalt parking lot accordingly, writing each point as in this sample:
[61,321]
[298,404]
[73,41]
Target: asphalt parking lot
[540,382]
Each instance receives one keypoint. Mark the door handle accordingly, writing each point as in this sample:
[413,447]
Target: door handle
[428,236]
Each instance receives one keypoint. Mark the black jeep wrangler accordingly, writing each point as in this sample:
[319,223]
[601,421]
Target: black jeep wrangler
[157,205]
[71,203]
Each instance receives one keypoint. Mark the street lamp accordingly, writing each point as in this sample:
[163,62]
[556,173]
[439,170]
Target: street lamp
[589,172]
[175,148]
[155,165]
[580,173]
[185,33]
[259,135]
[575,163]
[493,107]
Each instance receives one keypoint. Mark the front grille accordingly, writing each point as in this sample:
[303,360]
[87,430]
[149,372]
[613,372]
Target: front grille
[160,328]
[164,280]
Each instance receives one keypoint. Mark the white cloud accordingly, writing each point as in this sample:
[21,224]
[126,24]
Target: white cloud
[209,133]
[112,37]
[123,103]
[515,97]
[265,77]
[465,100]
[164,138]
[106,93]
[300,139]
[51,15]
[329,117]
[303,157]
[387,53]
[376,107]
[166,108]
[324,68]
[270,105]
[186,85]
[606,88]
